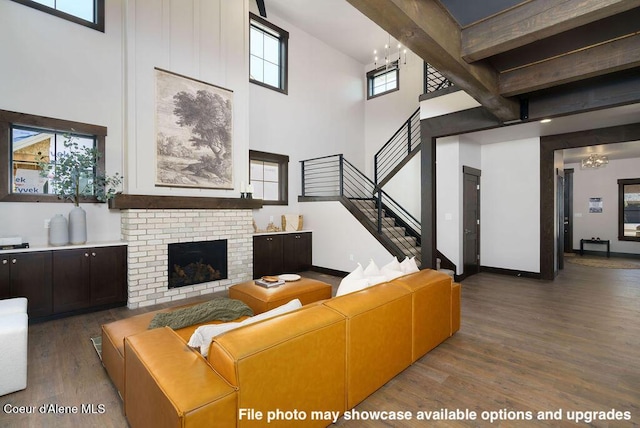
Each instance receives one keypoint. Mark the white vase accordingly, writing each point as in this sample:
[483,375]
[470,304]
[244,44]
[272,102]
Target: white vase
[58,230]
[77,226]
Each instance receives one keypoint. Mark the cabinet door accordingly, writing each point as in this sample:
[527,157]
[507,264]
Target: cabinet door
[108,275]
[30,277]
[5,277]
[267,255]
[71,270]
[297,252]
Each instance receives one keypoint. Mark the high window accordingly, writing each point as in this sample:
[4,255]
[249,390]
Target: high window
[89,13]
[629,209]
[268,54]
[383,80]
[269,174]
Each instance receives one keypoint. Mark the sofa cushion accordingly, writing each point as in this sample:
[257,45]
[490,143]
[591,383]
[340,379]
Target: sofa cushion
[202,336]
[222,309]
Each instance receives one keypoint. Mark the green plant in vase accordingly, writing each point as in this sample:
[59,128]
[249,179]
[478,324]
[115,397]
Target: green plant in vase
[73,176]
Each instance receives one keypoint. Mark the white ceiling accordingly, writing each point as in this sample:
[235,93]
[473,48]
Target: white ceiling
[336,23]
[341,26]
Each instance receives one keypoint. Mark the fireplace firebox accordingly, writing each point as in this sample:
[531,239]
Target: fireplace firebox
[197,262]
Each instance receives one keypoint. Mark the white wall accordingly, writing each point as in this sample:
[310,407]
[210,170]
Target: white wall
[385,114]
[339,240]
[203,40]
[510,205]
[452,154]
[404,187]
[323,113]
[55,68]
[601,183]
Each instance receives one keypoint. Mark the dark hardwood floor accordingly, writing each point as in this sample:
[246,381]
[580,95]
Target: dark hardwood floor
[571,345]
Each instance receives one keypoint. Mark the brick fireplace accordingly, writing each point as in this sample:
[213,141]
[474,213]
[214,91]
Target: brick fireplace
[148,233]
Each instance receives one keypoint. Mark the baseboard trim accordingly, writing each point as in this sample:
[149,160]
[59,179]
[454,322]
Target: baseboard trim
[511,272]
[604,254]
[329,271]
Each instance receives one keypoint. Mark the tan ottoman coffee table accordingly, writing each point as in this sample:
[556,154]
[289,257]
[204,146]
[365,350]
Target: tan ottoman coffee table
[262,299]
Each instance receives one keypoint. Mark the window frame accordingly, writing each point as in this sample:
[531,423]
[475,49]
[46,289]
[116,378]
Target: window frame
[9,119]
[621,183]
[371,75]
[283,37]
[98,18]
[283,174]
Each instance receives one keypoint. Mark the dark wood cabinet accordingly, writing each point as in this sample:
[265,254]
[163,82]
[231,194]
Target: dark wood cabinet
[281,253]
[28,275]
[108,276]
[88,277]
[65,281]
[296,252]
[70,287]
[267,255]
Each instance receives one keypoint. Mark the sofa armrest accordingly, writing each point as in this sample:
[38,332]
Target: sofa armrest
[168,384]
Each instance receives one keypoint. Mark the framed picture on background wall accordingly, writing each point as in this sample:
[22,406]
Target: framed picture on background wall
[194,133]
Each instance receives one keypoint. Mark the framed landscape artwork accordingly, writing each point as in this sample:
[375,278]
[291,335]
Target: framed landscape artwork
[194,133]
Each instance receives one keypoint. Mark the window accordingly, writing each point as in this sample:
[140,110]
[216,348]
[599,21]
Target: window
[24,139]
[382,80]
[268,54]
[268,173]
[629,209]
[89,13]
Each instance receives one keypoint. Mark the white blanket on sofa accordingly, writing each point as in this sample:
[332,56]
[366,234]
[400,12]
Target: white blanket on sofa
[202,337]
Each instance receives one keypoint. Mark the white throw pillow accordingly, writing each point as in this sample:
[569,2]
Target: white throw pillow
[391,274]
[357,273]
[348,285]
[371,270]
[354,281]
[408,265]
[394,264]
[376,279]
[202,337]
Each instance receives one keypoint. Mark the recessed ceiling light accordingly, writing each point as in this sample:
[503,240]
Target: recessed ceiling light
[545,121]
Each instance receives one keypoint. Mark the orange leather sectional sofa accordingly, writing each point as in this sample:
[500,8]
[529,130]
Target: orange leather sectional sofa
[302,368]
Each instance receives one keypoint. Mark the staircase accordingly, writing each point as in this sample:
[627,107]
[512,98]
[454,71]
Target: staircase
[335,178]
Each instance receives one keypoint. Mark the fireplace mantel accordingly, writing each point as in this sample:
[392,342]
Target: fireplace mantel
[150,202]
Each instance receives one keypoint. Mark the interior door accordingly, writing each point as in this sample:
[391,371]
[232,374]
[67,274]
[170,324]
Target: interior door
[471,221]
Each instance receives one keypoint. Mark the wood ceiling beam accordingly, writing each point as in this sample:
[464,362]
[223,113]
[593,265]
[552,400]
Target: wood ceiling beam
[429,31]
[610,57]
[534,20]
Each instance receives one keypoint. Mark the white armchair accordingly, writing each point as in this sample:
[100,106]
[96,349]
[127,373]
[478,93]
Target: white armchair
[13,345]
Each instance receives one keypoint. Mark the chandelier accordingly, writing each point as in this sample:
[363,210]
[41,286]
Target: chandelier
[594,161]
[391,59]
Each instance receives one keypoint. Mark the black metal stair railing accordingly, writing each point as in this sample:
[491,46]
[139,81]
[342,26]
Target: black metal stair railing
[434,80]
[406,140]
[334,176]
[392,154]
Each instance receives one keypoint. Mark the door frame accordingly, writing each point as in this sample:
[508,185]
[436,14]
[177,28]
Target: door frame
[467,170]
